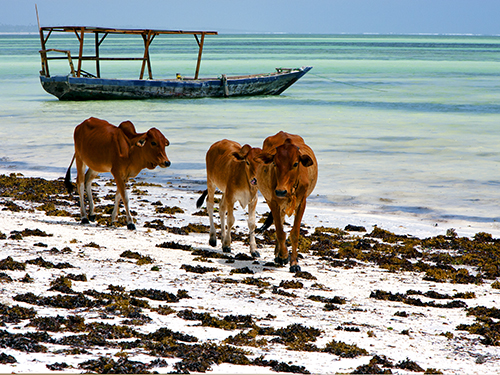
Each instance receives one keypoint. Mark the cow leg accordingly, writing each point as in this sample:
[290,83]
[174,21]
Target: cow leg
[80,184]
[210,208]
[116,208]
[251,227]
[223,211]
[89,177]
[229,209]
[122,192]
[280,251]
[294,236]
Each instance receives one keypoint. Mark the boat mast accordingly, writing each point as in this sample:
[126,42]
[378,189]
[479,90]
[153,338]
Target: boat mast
[45,66]
[200,51]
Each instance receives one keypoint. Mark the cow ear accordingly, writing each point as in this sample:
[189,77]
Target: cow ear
[128,129]
[306,160]
[266,158]
[237,155]
[141,141]
[243,153]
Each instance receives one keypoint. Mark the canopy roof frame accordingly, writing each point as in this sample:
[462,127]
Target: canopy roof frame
[147,35]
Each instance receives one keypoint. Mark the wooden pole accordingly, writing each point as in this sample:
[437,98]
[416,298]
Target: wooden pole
[200,51]
[43,54]
[97,63]
[80,54]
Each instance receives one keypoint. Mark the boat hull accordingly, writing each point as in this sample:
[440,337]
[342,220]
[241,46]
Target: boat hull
[82,88]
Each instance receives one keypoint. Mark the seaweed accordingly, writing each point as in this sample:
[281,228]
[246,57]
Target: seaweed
[73,323]
[30,189]
[198,268]
[291,284]
[335,300]
[409,365]
[344,350]
[246,339]
[280,366]
[229,322]
[62,284]
[14,314]
[67,302]
[46,264]
[106,365]
[398,297]
[200,357]
[154,294]
[256,281]
[28,342]
[305,275]
[174,245]
[7,358]
[169,210]
[486,325]
[244,270]
[12,265]
[57,366]
[162,334]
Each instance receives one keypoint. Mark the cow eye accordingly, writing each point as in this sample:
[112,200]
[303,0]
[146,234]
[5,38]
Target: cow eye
[296,164]
[153,143]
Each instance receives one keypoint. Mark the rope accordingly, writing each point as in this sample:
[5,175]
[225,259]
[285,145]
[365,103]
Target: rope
[345,83]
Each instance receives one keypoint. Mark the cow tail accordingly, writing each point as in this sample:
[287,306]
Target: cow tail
[67,179]
[201,199]
[269,221]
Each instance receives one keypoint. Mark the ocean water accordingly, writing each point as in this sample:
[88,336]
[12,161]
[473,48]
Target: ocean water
[401,125]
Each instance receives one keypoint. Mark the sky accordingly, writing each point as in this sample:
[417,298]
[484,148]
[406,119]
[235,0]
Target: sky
[265,16]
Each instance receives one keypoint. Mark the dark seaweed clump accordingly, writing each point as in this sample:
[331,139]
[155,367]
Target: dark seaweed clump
[37,190]
[399,297]
[440,258]
[198,268]
[229,322]
[14,314]
[487,324]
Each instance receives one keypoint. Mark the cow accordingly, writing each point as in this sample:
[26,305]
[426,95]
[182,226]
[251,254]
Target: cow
[231,168]
[104,147]
[286,176]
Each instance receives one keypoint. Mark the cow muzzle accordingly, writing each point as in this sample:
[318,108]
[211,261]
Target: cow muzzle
[165,164]
[280,193]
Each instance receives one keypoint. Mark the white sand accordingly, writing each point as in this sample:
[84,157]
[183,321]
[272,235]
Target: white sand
[103,266]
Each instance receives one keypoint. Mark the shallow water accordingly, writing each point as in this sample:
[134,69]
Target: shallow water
[400,124]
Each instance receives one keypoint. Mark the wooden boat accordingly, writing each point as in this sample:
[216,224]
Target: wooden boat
[82,85]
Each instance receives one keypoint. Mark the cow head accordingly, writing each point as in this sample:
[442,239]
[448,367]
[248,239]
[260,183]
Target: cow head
[287,162]
[152,145]
[249,155]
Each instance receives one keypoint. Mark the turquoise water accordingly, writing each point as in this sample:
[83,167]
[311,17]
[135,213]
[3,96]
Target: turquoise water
[400,124]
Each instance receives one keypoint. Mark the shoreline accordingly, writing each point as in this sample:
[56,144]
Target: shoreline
[321,213]
[334,297]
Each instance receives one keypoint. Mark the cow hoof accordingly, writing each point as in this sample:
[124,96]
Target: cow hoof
[92,218]
[295,268]
[226,249]
[85,220]
[280,261]
[255,254]
[131,226]
[212,242]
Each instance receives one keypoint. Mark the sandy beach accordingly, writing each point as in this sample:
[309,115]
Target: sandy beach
[100,298]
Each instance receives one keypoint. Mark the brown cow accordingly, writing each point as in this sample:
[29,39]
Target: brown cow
[231,168]
[103,147]
[286,178]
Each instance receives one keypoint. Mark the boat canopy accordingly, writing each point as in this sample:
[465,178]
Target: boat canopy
[100,33]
